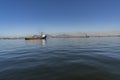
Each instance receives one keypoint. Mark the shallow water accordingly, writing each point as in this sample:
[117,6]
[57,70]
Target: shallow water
[60,59]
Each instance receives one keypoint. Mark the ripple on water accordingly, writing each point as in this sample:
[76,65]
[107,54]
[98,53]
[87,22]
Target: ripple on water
[73,59]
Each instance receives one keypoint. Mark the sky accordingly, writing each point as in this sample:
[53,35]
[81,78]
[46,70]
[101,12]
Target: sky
[29,17]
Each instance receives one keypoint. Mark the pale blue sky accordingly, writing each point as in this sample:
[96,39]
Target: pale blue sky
[27,17]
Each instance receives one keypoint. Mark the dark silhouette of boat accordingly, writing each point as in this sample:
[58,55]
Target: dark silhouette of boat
[85,36]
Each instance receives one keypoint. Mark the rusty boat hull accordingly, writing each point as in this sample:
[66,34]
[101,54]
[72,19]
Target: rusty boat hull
[34,39]
[43,37]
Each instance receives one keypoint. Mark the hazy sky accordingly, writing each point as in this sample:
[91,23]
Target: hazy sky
[27,17]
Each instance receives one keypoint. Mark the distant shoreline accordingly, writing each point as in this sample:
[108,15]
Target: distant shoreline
[8,38]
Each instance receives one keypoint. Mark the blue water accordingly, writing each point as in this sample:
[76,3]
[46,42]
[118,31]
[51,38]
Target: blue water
[60,59]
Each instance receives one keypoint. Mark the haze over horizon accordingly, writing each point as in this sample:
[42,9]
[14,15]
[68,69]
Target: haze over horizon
[29,17]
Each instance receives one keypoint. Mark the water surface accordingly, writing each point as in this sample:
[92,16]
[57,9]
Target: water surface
[60,59]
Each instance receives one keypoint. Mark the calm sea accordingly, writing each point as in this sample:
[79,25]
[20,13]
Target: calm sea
[60,59]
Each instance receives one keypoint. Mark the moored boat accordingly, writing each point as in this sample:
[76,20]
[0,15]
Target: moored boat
[33,38]
[43,36]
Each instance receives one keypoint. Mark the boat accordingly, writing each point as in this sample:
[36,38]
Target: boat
[33,39]
[87,36]
[43,36]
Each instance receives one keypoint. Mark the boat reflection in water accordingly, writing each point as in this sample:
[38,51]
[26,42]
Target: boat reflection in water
[43,42]
[32,43]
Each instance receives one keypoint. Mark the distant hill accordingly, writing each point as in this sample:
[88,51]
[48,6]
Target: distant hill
[72,35]
[81,35]
[65,36]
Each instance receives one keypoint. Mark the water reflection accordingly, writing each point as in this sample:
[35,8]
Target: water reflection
[60,59]
[43,42]
[35,42]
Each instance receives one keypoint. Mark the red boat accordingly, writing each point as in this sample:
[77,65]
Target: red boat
[43,36]
[33,38]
